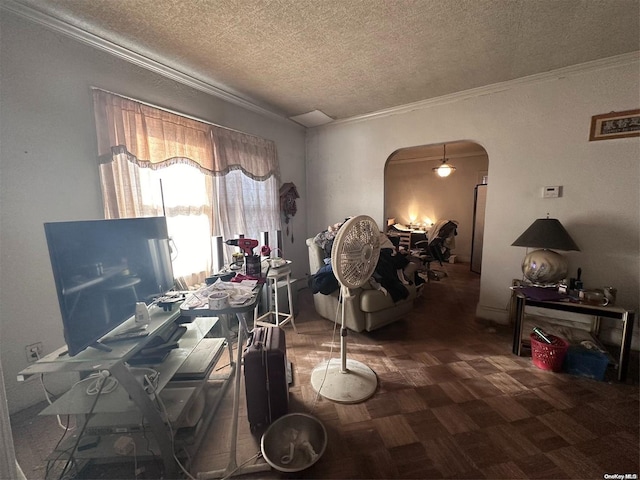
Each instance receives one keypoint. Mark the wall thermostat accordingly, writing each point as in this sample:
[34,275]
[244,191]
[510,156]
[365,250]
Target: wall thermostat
[552,192]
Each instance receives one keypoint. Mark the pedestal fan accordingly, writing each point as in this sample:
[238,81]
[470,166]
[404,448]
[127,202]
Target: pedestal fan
[354,257]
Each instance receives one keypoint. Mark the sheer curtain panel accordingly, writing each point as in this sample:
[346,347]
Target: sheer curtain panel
[207,180]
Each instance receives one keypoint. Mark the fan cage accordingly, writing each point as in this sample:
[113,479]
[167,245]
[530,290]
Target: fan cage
[355,251]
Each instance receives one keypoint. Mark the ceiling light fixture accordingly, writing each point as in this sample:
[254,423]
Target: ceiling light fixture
[444,169]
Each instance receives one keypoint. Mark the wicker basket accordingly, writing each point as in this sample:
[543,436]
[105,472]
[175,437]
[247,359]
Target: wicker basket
[548,356]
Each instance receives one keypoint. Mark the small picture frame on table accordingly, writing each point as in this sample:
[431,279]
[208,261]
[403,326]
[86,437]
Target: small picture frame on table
[615,125]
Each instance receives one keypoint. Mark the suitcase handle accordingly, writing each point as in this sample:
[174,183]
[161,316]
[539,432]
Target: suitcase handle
[252,341]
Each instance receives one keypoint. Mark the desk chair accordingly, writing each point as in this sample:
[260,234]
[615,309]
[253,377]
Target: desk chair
[441,239]
[404,242]
[431,253]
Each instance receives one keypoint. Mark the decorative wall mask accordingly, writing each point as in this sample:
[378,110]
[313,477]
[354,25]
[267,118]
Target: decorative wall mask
[288,196]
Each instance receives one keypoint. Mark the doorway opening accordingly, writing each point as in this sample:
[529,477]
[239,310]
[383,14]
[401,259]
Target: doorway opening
[416,197]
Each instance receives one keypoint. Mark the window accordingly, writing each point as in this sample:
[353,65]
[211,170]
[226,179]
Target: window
[206,180]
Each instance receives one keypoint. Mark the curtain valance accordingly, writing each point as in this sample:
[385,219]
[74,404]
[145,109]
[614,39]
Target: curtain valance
[154,138]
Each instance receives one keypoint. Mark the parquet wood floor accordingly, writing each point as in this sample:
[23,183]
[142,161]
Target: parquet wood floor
[452,402]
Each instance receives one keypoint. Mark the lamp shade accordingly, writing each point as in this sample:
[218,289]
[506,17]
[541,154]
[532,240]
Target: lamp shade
[546,233]
[444,169]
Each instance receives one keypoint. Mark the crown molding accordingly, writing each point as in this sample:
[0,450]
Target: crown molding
[224,93]
[609,62]
[130,56]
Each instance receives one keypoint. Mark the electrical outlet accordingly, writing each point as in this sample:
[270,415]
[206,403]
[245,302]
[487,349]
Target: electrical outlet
[34,352]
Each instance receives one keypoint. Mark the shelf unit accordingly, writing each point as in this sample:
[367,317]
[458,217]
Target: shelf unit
[159,427]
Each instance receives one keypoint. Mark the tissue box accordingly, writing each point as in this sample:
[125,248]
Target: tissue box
[585,363]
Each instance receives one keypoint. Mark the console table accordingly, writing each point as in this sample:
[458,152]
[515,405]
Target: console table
[626,317]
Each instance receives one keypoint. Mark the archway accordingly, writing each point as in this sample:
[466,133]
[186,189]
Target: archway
[416,197]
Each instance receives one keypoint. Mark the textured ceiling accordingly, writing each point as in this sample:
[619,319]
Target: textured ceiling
[352,57]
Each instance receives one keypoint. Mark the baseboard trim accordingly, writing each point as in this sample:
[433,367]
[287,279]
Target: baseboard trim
[496,315]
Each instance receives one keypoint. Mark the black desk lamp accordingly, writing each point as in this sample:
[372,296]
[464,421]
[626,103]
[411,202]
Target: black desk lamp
[544,266]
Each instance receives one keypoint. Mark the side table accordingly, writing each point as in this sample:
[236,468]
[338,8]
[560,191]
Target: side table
[274,274]
[626,317]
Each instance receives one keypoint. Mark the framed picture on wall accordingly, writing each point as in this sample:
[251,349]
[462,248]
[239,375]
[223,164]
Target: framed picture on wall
[615,125]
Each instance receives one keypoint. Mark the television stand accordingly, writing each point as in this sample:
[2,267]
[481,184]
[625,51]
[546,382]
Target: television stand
[119,337]
[131,409]
[100,346]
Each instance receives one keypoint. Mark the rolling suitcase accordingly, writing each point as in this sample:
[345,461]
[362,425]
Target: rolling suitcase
[265,376]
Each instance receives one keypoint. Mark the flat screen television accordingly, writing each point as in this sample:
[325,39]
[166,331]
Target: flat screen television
[102,268]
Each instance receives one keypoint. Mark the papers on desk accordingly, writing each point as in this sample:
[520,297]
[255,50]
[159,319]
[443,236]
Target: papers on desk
[403,228]
[239,293]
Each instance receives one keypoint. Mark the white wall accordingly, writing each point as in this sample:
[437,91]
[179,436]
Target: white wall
[49,172]
[535,133]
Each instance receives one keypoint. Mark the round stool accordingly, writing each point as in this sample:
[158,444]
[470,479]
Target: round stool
[275,274]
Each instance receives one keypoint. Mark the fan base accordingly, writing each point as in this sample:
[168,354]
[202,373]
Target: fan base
[356,385]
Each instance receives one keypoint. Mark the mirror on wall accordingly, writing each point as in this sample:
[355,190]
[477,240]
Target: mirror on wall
[415,195]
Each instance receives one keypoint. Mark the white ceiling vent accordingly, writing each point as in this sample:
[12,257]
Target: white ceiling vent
[312,119]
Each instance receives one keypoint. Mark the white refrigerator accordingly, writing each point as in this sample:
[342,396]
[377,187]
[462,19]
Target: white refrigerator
[479,206]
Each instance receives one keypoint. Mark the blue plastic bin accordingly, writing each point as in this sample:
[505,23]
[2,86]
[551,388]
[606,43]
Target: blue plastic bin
[585,363]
